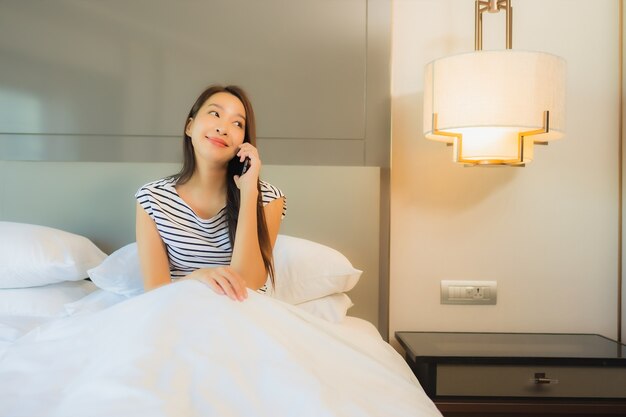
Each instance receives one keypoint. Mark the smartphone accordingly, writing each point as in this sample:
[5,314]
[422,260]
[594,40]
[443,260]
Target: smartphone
[246,165]
[237,167]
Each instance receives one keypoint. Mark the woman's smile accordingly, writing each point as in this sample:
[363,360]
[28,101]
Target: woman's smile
[217,141]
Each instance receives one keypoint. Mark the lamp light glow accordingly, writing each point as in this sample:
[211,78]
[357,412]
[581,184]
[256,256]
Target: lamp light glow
[495,105]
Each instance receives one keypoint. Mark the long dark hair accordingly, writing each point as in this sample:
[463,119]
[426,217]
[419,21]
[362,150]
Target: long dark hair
[232,193]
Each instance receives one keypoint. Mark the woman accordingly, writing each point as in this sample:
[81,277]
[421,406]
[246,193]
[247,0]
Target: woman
[212,222]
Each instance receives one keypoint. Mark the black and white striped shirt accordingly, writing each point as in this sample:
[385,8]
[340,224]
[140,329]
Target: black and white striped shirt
[192,242]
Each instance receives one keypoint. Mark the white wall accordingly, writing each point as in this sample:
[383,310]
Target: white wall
[547,232]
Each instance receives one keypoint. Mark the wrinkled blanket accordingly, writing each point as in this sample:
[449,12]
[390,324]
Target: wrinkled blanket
[182,350]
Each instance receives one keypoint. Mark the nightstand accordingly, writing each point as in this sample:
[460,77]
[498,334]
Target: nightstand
[519,374]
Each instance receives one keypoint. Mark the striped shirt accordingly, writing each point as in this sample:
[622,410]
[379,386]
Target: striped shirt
[191,241]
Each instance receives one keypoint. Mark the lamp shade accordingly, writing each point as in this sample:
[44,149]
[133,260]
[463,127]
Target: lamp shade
[490,97]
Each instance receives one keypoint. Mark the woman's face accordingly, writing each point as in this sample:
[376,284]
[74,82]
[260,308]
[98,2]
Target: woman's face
[218,128]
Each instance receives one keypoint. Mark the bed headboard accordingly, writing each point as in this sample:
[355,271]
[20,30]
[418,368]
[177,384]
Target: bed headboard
[336,206]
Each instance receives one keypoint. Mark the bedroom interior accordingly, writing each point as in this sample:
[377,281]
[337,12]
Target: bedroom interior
[548,234]
[81,131]
[338,90]
[121,47]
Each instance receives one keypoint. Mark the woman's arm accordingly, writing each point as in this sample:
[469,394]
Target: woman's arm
[152,254]
[273,217]
[246,258]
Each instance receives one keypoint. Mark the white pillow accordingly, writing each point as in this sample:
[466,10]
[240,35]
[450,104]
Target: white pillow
[43,301]
[120,273]
[306,270]
[333,307]
[31,255]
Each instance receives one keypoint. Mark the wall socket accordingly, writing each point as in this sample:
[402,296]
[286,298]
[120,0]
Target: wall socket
[469,292]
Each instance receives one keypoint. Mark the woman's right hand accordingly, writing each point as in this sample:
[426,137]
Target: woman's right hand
[223,280]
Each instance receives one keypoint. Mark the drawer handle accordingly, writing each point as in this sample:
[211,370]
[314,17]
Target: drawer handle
[540,379]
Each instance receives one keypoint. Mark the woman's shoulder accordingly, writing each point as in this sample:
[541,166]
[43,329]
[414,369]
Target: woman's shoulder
[157,186]
[162,183]
[270,191]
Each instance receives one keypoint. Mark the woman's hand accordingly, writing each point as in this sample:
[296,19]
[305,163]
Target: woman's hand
[248,181]
[223,280]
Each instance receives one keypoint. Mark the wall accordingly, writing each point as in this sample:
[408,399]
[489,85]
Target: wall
[113,81]
[621,304]
[547,233]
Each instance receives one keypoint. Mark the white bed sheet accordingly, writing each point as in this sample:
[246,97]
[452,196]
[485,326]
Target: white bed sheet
[23,309]
[182,350]
[12,326]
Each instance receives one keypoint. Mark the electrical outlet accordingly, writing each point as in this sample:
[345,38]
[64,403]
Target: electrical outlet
[469,292]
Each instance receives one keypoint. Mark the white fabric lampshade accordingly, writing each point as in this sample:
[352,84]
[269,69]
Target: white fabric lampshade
[491,96]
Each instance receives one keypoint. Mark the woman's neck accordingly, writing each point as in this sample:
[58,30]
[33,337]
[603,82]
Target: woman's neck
[205,192]
[209,180]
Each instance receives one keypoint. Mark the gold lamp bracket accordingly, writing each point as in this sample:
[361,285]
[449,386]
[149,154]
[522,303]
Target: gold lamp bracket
[492,6]
[457,139]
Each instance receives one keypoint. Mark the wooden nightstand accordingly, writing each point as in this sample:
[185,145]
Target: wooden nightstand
[519,374]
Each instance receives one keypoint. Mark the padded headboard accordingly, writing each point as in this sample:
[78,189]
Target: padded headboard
[336,206]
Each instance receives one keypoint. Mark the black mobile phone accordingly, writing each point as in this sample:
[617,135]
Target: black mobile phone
[237,167]
[246,165]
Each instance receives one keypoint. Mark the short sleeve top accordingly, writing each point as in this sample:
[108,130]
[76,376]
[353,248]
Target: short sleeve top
[191,241]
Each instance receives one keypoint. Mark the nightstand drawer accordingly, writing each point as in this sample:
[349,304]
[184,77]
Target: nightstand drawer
[527,381]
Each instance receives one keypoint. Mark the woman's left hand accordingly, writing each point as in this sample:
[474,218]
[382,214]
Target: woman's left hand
[248,181]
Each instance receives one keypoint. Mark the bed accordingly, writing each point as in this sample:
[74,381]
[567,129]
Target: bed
[101,347]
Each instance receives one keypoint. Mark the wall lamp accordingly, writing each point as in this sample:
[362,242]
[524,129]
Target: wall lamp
[493,106]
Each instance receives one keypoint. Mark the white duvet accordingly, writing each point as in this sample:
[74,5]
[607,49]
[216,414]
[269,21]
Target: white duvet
[182,350]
